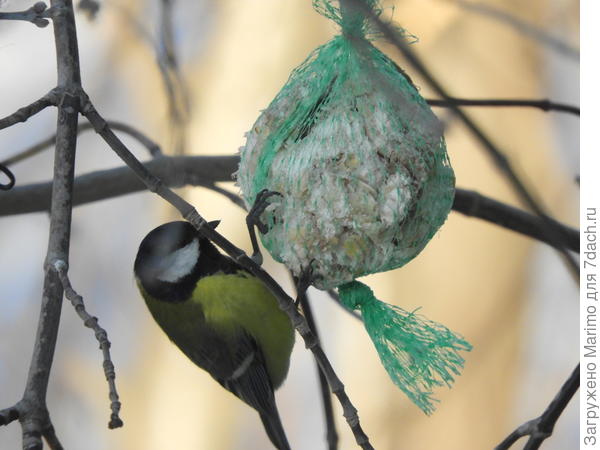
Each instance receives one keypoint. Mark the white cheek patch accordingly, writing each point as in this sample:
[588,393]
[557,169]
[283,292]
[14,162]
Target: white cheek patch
[179,263]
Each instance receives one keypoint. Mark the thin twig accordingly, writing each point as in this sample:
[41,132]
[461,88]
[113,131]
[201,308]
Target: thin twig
[491,148]
[8,415]
[92,322]
[37,15]
[332,435]
[11,178]
[177,92]
[541,428]
[540,35]
[236,199]
[153,148]
[24,113]
[189,213]
[544,105]
[164,51]
[166,33]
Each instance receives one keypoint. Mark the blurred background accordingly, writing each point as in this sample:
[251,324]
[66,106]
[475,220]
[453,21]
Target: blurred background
[511,297]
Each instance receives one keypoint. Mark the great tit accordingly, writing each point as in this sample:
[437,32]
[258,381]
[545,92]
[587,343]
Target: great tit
[223,318]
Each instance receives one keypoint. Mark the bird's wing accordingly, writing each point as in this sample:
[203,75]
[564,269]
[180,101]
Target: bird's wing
[214,353]
[235,361]
[251,383]
[248,378]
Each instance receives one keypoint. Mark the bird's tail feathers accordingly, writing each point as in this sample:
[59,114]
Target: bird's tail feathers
[274,429]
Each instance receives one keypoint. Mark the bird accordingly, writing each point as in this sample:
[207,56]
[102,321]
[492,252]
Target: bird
[221,317]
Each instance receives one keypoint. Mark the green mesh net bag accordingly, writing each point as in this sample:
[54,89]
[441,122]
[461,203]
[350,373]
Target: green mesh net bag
[361,165]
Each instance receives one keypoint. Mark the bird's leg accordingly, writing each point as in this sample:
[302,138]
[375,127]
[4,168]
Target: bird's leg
[253,219]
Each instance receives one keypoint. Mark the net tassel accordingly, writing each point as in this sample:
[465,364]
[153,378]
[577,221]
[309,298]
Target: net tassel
[417,353]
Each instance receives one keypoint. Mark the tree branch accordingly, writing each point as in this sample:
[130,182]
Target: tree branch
[11,178]
[544,105]
[34,417]
[166,59]
[152,147]
[332,436]
[540,35]
[49,434]
[37,15]
[541,428]
[92,322]
[8,415]
[176,171]
[24,113]
[175,87]
[473,204]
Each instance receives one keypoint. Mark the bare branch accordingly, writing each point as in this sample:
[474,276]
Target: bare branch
[541,428]
[544,105]
[473,204]
[49,434]
[35,425]
[34,417]
[540,35]
[37,15]
[332,436]
[166,60]
[92,322]
[176,171]
[24,113]
[236,199]
[177,91]
[9,415]
[11,178]
[153,148]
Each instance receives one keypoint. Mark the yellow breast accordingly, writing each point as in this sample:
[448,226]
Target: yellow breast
[230,301]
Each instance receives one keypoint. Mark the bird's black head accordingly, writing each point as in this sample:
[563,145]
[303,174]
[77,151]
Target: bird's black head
[171,259]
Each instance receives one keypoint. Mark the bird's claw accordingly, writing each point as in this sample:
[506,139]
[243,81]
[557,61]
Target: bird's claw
[253,220]
[260,204]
